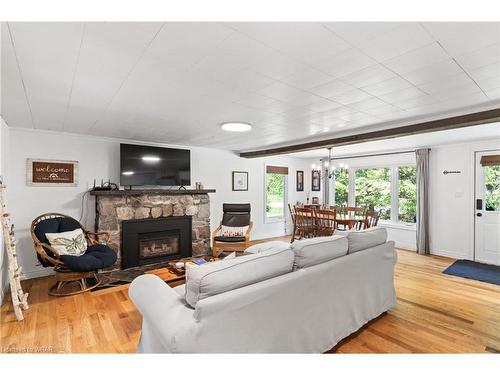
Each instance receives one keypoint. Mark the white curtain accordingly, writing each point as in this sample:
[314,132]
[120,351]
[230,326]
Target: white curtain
[423,200]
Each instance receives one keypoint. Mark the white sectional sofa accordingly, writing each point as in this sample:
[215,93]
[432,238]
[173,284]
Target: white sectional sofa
[280,298]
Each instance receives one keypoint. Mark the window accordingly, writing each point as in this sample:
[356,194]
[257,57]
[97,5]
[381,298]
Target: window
[373,190]
[492,187]
[341,187]
[276,188]
[392,191]
[407,194]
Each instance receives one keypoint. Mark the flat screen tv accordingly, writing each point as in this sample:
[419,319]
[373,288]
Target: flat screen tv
[154,166]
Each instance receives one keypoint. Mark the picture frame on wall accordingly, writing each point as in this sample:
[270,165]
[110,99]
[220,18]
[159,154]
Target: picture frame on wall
[240,181]
[47,172]
[316,180]
[300,180]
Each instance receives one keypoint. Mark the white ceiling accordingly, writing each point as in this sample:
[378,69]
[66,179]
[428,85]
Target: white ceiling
[176,82]
[410,142]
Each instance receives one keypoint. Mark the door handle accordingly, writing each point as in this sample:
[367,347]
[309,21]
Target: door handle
[479,204]
[479,214]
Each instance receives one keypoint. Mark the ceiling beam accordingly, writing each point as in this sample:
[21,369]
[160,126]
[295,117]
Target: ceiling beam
[455,122]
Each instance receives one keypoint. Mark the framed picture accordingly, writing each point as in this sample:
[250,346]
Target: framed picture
[240,181]
[44,172]
[300,180]
[316,181]
[315,200]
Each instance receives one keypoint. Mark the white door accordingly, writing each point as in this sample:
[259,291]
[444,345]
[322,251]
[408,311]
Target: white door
[487,209]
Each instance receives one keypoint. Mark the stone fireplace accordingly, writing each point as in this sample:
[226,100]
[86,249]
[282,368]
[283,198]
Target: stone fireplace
[166,212]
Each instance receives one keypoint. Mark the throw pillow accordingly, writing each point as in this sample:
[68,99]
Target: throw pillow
[68,243]
[226,231]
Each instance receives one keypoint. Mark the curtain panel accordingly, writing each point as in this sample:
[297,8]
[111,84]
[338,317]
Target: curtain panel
[423,200]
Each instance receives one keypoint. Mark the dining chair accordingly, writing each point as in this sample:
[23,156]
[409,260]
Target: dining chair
[304,221]
[371,219]
[294,224]
[325,222]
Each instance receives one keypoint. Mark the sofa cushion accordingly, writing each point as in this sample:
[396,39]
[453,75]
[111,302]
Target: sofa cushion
[364,239]
[68,243]
[96,257]
[214,278]
[312,251]
[266,246]
[229,239]
[226,231]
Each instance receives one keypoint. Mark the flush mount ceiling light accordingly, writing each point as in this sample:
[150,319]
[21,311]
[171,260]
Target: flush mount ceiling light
[151,159]
[128,173]
[236,126]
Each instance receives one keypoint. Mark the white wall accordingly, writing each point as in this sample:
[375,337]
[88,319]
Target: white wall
[99,158]
[4,153]
[452,198]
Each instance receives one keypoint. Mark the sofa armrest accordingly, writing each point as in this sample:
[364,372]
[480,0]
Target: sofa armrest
[161,307]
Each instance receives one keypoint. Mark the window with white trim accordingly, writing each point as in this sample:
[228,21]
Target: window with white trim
[390,190]
[276,193]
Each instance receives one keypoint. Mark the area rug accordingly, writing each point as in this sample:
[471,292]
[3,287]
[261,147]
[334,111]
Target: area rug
[476,271]
[111,279]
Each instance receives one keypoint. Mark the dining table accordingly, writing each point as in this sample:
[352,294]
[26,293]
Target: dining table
[350,219]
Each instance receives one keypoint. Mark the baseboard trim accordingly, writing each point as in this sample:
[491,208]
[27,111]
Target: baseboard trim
[33,274]
[448,254]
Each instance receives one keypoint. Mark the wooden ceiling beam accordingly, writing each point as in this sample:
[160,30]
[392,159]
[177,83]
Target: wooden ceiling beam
[448,123]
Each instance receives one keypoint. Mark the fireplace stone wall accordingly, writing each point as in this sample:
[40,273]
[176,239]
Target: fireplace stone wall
[111,210]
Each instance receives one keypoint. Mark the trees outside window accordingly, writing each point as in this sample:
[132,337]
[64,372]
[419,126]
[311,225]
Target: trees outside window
[275,195]
[407,194]
[492,187]
[373,190]
[341,186]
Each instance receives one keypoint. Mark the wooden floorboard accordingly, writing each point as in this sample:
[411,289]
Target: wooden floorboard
[435,313]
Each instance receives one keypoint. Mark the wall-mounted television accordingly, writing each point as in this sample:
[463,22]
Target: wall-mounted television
[154,166]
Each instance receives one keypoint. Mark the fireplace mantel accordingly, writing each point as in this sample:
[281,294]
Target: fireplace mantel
[151,191]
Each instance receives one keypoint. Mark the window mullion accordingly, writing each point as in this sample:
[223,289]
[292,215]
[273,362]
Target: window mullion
[394,194]
[351,198]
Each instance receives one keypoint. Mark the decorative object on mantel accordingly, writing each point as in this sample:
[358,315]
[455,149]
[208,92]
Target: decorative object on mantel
[105,185]
[300,180]
[451,172]
[198,186]
[316,180]
[315,200]
[19,298]
[240,181]
[44,172]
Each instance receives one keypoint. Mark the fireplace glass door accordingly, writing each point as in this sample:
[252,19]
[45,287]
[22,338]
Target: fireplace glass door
[158,244]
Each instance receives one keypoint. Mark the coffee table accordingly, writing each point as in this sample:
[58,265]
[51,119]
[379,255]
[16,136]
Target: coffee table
[171,275]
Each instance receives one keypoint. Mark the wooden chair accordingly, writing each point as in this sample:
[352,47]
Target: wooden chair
[234,215]
[304,219]
[371,219]
[325,222]
[294,225]
[70,270]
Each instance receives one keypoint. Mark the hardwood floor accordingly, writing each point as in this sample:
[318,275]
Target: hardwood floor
[436,313]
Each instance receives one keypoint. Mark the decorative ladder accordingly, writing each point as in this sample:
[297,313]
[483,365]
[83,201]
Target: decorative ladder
[19,298]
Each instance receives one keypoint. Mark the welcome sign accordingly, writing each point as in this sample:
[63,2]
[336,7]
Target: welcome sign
[51,172]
